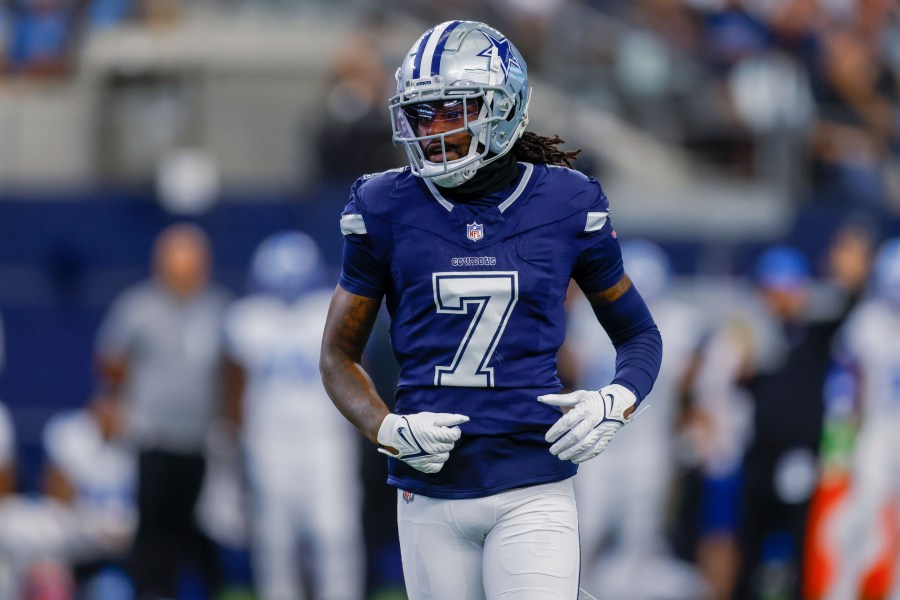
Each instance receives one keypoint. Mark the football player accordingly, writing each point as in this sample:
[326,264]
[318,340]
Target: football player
[472,248]
[300,492]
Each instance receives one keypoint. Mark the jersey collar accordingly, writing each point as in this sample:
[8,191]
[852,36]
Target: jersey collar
[516,193]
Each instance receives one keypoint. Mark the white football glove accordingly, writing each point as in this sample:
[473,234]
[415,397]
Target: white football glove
[423,440]
[594,418]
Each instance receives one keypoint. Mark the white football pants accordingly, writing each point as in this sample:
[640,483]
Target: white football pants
[314,497]
[521,544]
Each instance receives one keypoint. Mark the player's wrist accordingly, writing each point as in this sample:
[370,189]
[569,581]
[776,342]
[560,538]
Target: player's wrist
[628,389]
[384,437]
[623,401]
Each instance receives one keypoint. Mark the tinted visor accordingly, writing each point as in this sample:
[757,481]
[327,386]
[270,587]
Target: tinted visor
[461,109]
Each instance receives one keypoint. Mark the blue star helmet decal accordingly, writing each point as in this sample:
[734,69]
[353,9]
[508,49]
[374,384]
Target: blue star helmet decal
[507,58]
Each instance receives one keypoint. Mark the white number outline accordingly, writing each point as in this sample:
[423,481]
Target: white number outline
[485,329]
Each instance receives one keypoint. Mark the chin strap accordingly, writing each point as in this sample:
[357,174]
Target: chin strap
[457,178]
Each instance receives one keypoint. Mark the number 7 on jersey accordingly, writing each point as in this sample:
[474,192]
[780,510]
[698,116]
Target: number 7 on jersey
[492,294]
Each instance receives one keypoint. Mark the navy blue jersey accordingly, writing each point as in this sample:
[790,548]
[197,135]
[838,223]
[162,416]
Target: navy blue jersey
[476,299]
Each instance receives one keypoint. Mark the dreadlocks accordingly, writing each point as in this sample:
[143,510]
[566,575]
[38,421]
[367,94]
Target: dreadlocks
[539,149]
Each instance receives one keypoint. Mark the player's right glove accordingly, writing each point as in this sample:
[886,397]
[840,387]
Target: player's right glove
[422,440]
[592,421]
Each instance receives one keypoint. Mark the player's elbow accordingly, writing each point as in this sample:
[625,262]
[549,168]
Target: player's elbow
[327,363]
[332,363]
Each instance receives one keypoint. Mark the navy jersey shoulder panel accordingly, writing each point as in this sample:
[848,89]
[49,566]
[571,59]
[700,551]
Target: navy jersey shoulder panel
[371,193]
[561,194]
[399,198]
[575,190]
[367,239]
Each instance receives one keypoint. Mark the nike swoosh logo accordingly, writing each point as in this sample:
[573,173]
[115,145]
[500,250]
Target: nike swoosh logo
[612,401]
[400,431]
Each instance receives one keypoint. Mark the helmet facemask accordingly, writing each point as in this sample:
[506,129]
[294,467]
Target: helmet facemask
[478,112]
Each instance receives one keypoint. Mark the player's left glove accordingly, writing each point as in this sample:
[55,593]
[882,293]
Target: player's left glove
[422,440]
[594,418]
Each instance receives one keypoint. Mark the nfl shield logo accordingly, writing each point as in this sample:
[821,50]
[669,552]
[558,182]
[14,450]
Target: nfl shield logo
[408,496]
[474,231]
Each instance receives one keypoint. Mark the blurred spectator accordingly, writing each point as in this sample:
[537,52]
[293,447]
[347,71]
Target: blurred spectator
[795,92]
[758,411]
[625,554]
[354,133]
[305,495]
[857,93]
[871,520]
[780,466]
[161,352]
[91,470]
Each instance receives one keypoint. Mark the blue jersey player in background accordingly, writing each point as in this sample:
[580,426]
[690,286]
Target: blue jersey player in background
[472,247]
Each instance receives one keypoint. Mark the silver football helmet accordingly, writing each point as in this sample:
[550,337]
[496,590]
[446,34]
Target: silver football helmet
[468,73]
[287,264]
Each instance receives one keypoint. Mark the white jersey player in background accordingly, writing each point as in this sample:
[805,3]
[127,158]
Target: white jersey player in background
[622,526]
[301,455]
[869,343]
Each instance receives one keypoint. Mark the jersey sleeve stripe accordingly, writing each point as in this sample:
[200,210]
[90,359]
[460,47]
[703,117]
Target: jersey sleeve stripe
[595,221]
[353,224]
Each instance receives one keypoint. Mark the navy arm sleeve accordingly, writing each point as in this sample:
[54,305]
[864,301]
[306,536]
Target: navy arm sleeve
[637,340]
[627,320]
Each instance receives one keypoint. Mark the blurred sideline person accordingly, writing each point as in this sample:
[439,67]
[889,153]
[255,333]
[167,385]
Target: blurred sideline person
[35,532]
[473,248]
[869,346]
[301,456]
[623,526]
[780,465]
[91,470]
[160,350]
[353,115]
[758,396]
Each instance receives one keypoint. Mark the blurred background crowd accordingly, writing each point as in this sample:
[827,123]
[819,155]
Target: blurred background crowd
[171,177]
